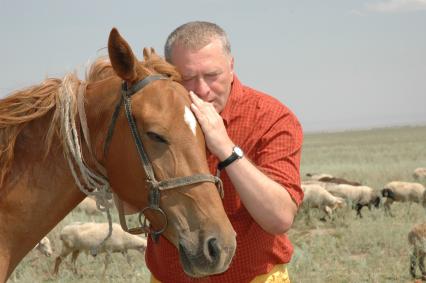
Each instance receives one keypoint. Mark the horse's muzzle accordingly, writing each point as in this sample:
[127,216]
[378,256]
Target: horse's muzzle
[211,257]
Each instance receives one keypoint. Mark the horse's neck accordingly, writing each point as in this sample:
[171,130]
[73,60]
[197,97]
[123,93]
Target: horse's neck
[37,194]
[100,103]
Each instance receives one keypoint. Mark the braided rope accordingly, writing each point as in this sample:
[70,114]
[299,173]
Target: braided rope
[88,181]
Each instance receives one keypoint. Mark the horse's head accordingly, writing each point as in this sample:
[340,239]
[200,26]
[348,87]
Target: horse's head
[196,222]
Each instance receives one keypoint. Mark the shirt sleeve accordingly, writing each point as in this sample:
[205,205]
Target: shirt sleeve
[278,152]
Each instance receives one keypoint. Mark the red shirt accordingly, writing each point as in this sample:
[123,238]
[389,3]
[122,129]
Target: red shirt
[271,137]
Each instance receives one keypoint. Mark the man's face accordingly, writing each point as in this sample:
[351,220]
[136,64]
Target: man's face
[208,72]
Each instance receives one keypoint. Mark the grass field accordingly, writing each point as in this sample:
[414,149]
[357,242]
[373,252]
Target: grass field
[371,249]
[347,249]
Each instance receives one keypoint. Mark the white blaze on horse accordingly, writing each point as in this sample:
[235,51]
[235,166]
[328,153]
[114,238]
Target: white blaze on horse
[126,129]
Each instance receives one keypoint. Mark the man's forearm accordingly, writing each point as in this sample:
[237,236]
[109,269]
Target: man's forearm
[268,202]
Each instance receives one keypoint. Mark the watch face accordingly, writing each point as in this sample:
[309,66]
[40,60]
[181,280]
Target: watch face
[238,151]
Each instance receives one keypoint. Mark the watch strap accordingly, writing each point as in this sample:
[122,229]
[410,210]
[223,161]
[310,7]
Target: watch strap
[234,156]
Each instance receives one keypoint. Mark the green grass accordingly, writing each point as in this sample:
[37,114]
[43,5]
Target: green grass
[347,249]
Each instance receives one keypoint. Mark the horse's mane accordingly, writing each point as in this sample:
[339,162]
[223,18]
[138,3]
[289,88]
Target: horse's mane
[24,106]
[19,109]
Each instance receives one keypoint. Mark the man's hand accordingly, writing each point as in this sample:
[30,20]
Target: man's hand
[217,139]
[252,185]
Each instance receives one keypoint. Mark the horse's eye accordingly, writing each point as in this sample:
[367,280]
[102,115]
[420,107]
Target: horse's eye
[156,137]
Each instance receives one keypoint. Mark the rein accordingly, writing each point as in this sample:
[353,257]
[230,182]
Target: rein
[154,186]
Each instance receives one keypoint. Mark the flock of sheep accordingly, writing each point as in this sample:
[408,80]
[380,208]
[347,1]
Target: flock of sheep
[322,191]
[89,237]
[328,193]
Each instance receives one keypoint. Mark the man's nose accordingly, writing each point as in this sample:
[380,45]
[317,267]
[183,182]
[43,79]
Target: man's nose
[202,89]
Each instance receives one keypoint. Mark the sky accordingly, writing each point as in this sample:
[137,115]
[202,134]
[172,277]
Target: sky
[339,65]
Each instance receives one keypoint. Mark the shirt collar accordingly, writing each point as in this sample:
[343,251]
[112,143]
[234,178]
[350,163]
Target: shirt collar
[234,96]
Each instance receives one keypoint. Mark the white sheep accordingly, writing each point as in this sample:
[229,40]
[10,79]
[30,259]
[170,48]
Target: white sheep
[87,237]
[419,173]
[403,192]
[359,196]
[317,176]
[417,242]
[44,247]
[318,197]
[325,185]
[315,182]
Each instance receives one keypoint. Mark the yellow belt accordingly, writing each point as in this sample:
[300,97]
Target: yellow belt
[278,274]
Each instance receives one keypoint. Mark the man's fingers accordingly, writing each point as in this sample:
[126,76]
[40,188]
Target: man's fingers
[196,110]
[210,121]
[205,108]
[201,118]
[195,99]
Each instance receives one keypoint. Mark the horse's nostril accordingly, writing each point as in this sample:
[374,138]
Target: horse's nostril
[213,249]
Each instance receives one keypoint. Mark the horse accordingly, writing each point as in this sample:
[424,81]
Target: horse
[125,130]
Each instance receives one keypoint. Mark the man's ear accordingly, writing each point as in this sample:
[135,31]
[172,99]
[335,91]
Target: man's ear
[232,68]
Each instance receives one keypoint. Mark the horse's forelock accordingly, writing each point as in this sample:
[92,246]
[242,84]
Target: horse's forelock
[161,66]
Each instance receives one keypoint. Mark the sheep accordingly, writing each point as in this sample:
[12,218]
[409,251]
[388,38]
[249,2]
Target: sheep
[359,196]
[315,182]
[419,173]
[78,237]
[318,197]
[403,192]
[317,176]
[337,180]
[320,183]
[324,185]
[417,242]
[44,247]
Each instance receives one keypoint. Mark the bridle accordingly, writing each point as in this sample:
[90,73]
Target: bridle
[154,186]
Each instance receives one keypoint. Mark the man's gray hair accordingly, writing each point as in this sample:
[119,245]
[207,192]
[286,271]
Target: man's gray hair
[195,35]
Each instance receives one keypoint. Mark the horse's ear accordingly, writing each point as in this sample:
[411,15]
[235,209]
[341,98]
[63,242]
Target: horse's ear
[148,53]
[122,59]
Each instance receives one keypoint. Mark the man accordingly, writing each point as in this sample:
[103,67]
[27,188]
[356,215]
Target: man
[256,143]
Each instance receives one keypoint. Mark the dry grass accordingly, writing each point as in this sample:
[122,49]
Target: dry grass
[347,249]
[38,268]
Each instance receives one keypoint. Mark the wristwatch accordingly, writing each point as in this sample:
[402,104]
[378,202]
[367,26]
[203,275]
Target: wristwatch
[237,153]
